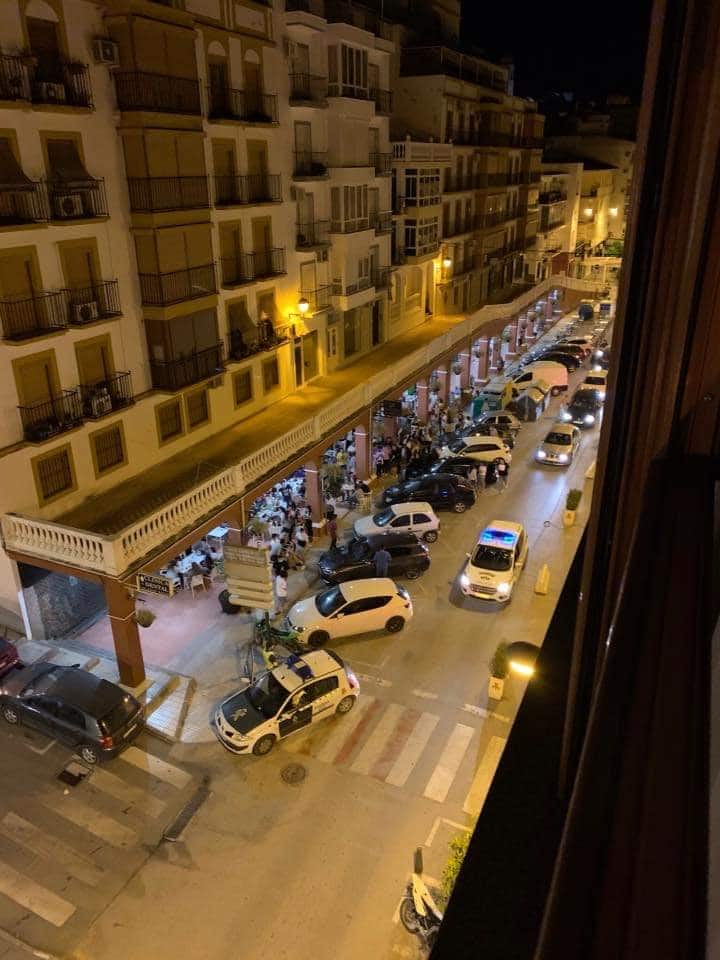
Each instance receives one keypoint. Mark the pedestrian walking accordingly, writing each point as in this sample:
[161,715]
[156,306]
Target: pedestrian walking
[332,529]
[481,475]
[308,523]
[275,546]
[281,591]
[473,476]
[379,462]
[502,475]
[382,562]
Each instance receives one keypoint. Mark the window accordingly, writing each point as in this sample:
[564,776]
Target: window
[353,64]
[422,187]
[71,716]
[421,236]
[169,420]
[421,518]
[54,474]
[321,688]
[108,448]
[332,342]
[198,408]
[271,374]
[402,521]
[242,387]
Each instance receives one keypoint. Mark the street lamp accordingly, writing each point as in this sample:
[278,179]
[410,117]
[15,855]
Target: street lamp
[613,211]
[588,211]
[303,306]
[447,262]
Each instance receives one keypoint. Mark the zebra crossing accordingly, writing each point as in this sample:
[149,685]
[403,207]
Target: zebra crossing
[64,853]
[405,747]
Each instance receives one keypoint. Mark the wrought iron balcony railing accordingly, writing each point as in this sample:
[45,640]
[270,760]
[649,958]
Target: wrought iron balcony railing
[310,163]
[181,372]
[14,77]
[99,301]
[383,101]
[350,226]
[313,234]
[381,277]
[156,194]
[382,163]
[23,203]
[161,289]
[253,265]
[105,396]
[382,222]
[306,88]
[76,200]
[242,345]
[23,317]
[157,92]
[48,418]
[231,191]
[48,79]
[246,106]
[319,299]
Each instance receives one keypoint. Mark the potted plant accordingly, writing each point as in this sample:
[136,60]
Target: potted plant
[457,368]
[333,477]
[144,618]
[499,670]
[571,505]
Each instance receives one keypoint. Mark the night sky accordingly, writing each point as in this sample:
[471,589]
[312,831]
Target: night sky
[590,48]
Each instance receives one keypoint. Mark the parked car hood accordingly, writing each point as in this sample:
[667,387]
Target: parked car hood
[240,714]
[364,526]
[304,613]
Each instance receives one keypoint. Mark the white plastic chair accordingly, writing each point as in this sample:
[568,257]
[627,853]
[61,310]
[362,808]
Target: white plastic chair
[196,581]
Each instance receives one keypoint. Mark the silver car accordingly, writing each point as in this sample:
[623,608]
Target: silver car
[559,446]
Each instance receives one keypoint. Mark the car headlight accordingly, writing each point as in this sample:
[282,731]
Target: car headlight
[503,587]
[541,455]
[563,458]
[601,394]
[464,581]
[599,353]
[589,418]
[567,417]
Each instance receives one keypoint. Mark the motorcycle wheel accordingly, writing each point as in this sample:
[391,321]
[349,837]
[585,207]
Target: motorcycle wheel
[409,917]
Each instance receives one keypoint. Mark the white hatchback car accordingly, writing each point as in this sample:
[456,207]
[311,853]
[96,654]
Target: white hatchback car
[297,692]
[559,446]
[496,562]
[418,518]
[597,379]
[356,606]
[483,449]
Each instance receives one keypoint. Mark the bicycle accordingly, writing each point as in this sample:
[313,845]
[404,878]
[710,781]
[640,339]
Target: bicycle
[269,645]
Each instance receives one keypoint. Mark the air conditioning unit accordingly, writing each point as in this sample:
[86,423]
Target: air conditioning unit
[51,92]
[86,312]
[215,382]
[106,51]
[67,205]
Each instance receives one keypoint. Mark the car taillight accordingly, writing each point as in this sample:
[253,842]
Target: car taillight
[106,742]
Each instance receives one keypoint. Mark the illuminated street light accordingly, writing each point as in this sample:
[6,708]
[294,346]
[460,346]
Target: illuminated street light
[303,306]
[613,211]
[447,262]
[588,211]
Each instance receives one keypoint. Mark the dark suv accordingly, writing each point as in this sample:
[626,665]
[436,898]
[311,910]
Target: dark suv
[356,559]
[443,491]
[94,716]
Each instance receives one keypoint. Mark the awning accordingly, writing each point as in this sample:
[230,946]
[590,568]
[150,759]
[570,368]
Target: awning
[11,174]
[65,163]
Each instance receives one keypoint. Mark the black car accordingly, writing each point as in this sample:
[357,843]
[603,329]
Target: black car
[491,430]
[458,466]
[440,490]
[569,360]
[94,716]
[601,358]
[584,409]
[356,559]
[419,466]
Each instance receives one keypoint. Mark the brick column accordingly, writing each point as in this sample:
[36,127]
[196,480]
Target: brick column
[125,632]
[363,450]
[465,371]
[313,494]
[421,410]
[443,378]
[484,360]
[390,427]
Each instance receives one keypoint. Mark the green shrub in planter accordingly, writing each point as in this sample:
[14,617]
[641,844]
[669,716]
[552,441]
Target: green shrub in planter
[500,663]
[573,499]
[458,848]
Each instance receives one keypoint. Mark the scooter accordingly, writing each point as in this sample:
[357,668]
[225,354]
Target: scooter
[418,911]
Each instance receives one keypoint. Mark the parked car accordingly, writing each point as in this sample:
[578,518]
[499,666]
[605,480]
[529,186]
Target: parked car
[9,657]
[584,409]
[564,347]
[503,420]
[356,559]
[585,343]
[485,449]
[554,374]
[600,359]
[459,466]
[358,606]
[443,491]
[559,446]
[597,381]
[415,517]
[297,692]
[569,360]
[94,716]
[493,567]
[492,430]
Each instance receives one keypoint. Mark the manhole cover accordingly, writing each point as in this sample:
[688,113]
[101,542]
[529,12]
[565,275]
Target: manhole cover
[293,773]
[73,774]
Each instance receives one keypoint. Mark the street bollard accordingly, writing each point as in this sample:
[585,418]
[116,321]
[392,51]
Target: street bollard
[543,580]
[590,472]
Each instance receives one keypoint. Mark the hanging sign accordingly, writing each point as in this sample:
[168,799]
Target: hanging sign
[151,583]
[249,576]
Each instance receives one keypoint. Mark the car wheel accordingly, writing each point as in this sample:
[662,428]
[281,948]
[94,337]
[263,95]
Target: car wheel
[431,536]
[459,506]
[318,638]
[89,754]
[413,573]
[10,714]
[345,705]
[555,391]
[264,745]
[395,624]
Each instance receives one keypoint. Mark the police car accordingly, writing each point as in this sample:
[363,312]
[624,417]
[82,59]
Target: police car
[496,562]
[291,696]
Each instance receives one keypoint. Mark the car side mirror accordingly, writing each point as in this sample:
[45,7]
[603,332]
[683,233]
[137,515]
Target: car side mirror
[286,715]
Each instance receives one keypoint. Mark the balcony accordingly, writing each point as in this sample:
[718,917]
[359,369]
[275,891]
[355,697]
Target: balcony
[383,101]
[56,81]
[552,196]
[308,90]
[160,194]
[381,277]
[23,203]
[347,290]
[422,250]
[350,226]
[533,143]
[397,255]
[251,266]
[14,78]
[459,267]
[48,418]
[425,200]
[458,184]
[309,165]
[267,337]
[24,317]
[351,90]
[458,227]
[357,15]
[233,191]
[162,289]
[382,163]
[73,200]
[429,60]
[313,234]
[381,222]
[157,92]
[483,221]
[184,371]
[106,396]
[100,301]
[319,299]
[245,106]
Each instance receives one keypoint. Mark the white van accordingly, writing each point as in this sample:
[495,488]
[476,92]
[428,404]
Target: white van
[552,373]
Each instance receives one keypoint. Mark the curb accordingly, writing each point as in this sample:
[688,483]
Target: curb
[27,947]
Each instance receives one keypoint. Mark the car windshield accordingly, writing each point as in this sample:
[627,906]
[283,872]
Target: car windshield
[587,403]
[558,439]
[42,683]
[384,518]
[456,446]
[357,549]
[600,381]
[267,694]
[329,601]
[116,718]
[491,558]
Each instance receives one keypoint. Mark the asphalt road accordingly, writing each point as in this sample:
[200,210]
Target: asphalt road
[309,869]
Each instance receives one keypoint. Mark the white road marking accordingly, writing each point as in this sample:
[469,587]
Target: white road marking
[344,729]
[482,712]
[116,787]
[30,836]
[156,767]
[484,776]
[411,752]
[436,825]
[41,750]
[373,747]
[34,897]
[86,816]
[425,694]
[380,681]
[450,759]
